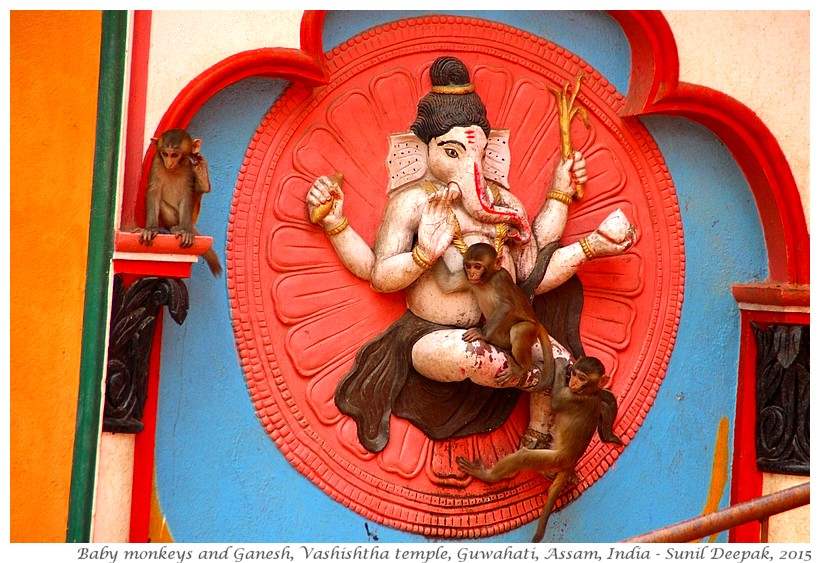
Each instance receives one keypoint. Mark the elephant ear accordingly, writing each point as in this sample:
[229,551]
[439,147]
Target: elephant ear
[497,157]
[406,160]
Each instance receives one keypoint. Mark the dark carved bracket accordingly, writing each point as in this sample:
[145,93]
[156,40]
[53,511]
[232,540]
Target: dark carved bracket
[133,323]
[783,399]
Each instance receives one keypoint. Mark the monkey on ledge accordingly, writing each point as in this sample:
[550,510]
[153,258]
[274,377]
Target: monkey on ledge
[176,181]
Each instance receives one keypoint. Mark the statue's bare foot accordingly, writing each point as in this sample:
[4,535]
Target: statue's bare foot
[534,440]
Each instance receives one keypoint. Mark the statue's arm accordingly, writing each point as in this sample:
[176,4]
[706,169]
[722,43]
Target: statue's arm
[354,253]
[449,282]
[394,266]
[549,224]
[351,249]
[568,259]
[411,215]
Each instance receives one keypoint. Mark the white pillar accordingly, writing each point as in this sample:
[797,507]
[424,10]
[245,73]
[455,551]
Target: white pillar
[115,479]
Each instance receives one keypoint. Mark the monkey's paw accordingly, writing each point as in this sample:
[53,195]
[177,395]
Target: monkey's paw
[186,238]
[515,377]
[472,334]
[147,236]
[475,468]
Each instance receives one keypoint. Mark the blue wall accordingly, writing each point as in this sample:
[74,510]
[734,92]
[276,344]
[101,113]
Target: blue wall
[221,478]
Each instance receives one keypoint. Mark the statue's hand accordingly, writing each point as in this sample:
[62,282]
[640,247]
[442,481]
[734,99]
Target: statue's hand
[602,245]
[326,192]
[438,224]
[569,173]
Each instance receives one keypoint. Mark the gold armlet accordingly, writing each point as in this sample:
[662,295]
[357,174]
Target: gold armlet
[558,196]
[341,226]
[421,259]
[586,248]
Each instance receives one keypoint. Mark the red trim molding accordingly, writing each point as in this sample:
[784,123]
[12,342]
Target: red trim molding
[164,258]
[654,89]
[784,298]
[144,447]
[772,296]
[133,215]
[655,62]
[305,66]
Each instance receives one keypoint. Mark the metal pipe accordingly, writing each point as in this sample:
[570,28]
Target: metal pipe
[708,524]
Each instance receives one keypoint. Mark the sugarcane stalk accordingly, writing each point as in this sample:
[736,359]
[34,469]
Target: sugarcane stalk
[567,111]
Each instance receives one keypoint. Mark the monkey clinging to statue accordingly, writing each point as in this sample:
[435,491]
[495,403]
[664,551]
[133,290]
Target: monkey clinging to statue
[176,181]
[580,405]
[511,322]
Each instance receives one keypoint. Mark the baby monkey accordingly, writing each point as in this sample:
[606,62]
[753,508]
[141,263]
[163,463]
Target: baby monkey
[511,322]
[580,405]
[176,181]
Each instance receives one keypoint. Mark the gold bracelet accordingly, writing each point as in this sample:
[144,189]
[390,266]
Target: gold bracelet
[558,196]
[586,248]
[341,226]
[420,259]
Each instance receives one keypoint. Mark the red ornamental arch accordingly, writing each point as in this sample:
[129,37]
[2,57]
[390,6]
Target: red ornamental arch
[300,317]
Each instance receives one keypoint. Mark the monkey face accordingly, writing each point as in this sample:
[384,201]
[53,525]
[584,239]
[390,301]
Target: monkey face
[176,148]
[476,271]
[172,158]
[581,382]
[481,261]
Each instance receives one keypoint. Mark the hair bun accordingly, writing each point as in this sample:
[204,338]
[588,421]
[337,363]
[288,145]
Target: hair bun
[448,71]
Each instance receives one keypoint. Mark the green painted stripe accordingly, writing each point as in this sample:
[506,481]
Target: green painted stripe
[100,252]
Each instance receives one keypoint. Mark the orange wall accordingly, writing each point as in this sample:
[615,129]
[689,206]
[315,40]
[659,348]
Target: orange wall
[54,74]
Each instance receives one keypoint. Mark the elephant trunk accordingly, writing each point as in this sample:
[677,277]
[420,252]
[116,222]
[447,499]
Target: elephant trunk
[498,214]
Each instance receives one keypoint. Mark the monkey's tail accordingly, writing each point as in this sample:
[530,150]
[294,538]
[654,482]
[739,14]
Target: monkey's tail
[561,480]
[546,348]
[213,262]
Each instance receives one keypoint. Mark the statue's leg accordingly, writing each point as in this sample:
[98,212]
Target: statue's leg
[444,356]
[537,434]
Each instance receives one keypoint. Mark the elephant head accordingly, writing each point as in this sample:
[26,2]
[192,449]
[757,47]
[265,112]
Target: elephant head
[464,158]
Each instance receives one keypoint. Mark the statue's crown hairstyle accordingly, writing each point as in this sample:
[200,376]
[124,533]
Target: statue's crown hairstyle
[451,103]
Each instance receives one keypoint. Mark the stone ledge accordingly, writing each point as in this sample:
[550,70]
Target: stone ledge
[164,258]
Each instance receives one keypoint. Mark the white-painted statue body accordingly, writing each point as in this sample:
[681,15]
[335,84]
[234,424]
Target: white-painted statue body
[445,195]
